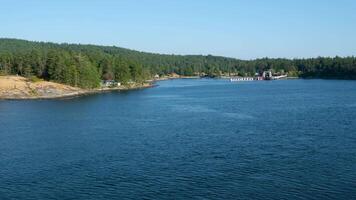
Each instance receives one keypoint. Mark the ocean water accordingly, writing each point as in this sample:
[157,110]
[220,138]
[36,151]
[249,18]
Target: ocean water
[184,139]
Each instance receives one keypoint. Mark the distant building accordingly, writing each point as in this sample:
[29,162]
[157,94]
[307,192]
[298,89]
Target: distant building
[110,83]
[267,75]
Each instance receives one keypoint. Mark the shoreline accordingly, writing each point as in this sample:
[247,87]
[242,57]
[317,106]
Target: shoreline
[94,91]
[20,88]
[79,93]
[174,77]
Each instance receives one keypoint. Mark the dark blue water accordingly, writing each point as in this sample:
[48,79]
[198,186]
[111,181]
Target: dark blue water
[185,139]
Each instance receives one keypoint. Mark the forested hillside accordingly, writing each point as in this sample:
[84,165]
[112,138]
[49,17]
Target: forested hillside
[86,65]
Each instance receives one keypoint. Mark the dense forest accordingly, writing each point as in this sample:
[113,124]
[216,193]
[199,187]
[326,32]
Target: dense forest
[85,65]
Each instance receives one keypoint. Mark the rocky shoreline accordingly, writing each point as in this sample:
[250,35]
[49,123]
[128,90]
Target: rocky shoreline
[73,94]
[20,88]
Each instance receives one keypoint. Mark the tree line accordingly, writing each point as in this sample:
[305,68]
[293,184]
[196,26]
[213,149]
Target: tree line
[86,65]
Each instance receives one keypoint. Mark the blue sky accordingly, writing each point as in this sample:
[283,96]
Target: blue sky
[243,29]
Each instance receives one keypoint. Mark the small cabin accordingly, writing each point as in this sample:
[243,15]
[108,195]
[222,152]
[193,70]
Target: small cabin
[110,83]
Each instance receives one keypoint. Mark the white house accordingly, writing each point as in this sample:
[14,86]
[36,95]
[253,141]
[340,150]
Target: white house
[110,83]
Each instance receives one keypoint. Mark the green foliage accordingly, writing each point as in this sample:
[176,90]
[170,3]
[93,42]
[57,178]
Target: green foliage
[88,74]
[121,71]
[293,74]
[85,65]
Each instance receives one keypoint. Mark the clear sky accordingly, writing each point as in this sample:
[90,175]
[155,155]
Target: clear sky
[243,29]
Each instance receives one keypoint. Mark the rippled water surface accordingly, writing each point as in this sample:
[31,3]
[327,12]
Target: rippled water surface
[200,139]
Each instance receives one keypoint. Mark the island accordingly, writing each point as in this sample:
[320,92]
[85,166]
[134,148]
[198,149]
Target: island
[31,70]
